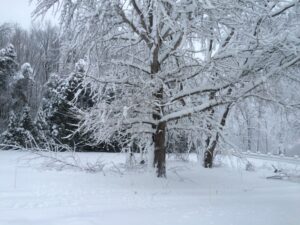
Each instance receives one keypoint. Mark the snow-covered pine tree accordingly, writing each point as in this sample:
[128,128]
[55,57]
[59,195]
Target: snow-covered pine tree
[15,90]
[21,131]
[21,88]
[58,116]
[8,65]
[11,133]
[50,96]
[8,68]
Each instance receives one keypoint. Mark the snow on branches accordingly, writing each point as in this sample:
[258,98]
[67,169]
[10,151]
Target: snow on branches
[157,65]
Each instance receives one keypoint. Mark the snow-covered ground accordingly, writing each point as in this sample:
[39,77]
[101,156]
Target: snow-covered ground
[225,195]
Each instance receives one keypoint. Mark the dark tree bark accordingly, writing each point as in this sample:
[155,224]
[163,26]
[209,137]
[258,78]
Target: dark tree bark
[211,144]
[208,156]
[159,137]
[160,150]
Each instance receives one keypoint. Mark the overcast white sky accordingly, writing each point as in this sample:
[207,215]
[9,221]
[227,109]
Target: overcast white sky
[17,11]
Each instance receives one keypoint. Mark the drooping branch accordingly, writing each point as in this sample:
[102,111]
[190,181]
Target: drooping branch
[284,8]
[192,110]
[228,38]
[197,91]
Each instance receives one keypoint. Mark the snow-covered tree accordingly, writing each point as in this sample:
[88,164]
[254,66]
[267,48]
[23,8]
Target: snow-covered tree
[21,131]
[21,88]
[8,68]
[58,115]
[173,66]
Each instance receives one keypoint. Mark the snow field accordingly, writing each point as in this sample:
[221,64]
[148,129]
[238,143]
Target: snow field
[191,195]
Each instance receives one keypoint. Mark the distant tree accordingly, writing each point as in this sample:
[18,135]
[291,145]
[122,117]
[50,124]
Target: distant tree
[39,46]
[22,85]
[6,31]
[8,69]
[8,65]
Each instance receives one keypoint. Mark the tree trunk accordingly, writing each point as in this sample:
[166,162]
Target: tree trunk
[212,144]
[208,155]
[159,136]
[160,150]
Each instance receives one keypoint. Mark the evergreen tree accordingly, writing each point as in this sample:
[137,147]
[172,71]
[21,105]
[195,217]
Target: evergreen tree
[21,88]
[16,88]
[21,131]
[11,133]
[58,116]
[8,68]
